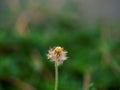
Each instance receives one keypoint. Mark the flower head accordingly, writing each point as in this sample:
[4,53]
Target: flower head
[57,55]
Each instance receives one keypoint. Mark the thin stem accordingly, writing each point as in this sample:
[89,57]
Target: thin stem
[87,79]
[56,76]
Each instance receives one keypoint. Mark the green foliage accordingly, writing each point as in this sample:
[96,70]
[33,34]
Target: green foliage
[24,57]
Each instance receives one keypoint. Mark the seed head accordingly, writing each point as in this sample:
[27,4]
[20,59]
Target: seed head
[57,55]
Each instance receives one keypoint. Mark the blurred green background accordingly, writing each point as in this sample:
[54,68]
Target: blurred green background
[87,30]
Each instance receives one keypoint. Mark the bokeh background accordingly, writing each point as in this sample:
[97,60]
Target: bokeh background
[88,29]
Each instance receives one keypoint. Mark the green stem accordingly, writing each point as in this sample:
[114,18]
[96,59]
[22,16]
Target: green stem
[56,76]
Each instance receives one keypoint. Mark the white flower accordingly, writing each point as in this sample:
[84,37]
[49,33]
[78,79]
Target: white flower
[57,55]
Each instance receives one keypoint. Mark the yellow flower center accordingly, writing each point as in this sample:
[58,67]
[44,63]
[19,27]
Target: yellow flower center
[58,50]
